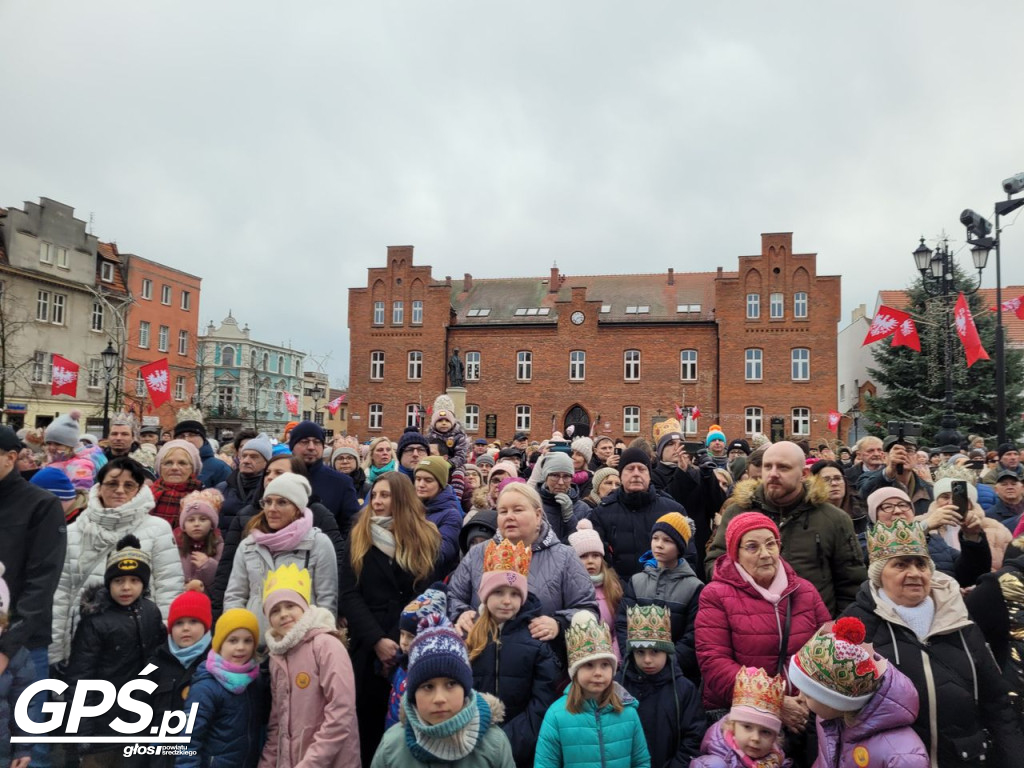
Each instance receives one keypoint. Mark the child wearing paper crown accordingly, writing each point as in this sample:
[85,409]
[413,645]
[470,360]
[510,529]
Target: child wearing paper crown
[590,550]
[119,629]
[444,721]
[667,580]
[865,706]
[231,694]
[19,675]
[433,604]
[596,722]
[670,708]
[198,536]
[507,661]
[313,718]
[748,736]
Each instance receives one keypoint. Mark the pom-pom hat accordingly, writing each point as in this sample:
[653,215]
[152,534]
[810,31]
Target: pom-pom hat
[432,603]
[714,433]
[587,639]
[649,626]
[191,605]
[586,540]
[286,583]
[437,651]
[505,565]
[757,698]
[206,502]
[65,429]
[676,527]
[836,668]
[229,621]
[128,559]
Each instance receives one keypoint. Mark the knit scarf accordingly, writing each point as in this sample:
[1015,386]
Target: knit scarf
[580,478]
[775,590]
[286,539]
[186,656]
[248,487]
[168,498]
[376,472]
[234,677]
[380,532]
[772,760]
[918,617]
[451,740]
[597,579]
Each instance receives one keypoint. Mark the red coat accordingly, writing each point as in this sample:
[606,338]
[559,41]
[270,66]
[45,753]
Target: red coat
[736,626]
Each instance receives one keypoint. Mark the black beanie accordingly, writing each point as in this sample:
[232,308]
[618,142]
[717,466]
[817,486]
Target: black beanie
[412,436]
[303,430]
[1005,448]
[190,426]
[127,560]
[634,456]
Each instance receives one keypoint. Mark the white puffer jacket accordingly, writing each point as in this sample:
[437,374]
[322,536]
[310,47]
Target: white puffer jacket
[92,537]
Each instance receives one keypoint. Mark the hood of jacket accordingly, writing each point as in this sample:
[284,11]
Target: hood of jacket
[749,494]
[950,610]
[315,621]
[727,572]
[894,705]
[445,499]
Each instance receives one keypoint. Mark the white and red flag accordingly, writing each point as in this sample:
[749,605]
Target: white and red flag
[65,377]
[695,413]
[335,404]
[906,335]
[1014,305]
[157,376]
[968,332]
[291,403]
[833,420]
[885,323]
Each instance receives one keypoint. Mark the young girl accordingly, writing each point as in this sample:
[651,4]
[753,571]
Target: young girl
[444,721]
[865,706]
[595,723]
[446,428]
[432,603]
[670,708]
[19,675]
[748,736]
[507,661]
[199,540]
[313,718]
[232,697]
[667,580]
[590,550]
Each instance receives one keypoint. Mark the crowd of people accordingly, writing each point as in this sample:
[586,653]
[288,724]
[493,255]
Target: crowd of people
[566,602]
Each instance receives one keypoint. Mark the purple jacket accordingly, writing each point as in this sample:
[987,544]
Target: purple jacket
[882,736]
[715,753]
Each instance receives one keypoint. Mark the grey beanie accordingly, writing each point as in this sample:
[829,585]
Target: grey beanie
[261,444]
[344,450]
[556,462]
[64,430]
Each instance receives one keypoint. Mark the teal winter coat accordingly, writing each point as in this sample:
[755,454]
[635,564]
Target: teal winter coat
[594,737]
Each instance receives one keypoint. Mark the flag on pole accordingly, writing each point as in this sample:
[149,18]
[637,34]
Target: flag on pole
[335,404]
[679,412]
[1014,305]
[886,322]
[833,420]
[157,376]
[695,412]
[906,335]
[968,332]
[65,377]
[292,402]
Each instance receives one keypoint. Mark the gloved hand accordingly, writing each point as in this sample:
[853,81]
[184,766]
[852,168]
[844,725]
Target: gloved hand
[706,464]
[566,504]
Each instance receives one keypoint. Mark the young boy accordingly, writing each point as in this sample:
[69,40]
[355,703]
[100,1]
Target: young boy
[433,601]
[120,628]
[18,676]
[669,581]
[670,708]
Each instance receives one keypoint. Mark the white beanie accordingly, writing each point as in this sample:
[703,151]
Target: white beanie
[290,486]
[64,430]
[585,447]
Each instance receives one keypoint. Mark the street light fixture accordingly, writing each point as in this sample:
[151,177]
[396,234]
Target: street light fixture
[854,413]
[109,357]
[317,393]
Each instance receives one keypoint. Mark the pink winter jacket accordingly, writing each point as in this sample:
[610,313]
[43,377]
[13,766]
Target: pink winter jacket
[736,626]
[313,719]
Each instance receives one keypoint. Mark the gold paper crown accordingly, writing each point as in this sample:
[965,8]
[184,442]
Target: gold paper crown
[507,557]
[896,539]
[649,626]
[188,414]
[587,639]
[288,577]
[754,688]
[665,427]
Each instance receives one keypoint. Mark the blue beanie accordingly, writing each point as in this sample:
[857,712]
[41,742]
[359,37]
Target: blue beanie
[280,449]
[306,429]
[437,651]
[716,433]
[55,481]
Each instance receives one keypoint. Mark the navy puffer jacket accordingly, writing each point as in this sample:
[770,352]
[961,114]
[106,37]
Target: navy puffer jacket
[229,728]
[624,521]
[445,511]
[523,673]
[670,711]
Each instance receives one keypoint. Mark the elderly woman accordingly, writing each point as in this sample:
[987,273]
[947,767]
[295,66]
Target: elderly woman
[755,612]
[177,474]
[380,458]
[345,459]
[119,503]
[282,533]
[914,617]
[557,576]
[605,481]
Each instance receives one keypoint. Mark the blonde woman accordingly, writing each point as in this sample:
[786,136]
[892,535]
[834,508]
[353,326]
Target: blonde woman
[393,552]
[380,458]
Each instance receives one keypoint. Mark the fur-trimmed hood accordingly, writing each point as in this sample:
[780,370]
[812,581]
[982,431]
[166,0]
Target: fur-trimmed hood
[749,494]
[493,703]
[313,622]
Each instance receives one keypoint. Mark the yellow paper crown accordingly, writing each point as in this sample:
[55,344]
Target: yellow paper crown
[665,427]
[507,556]
[288,577]
[754,688]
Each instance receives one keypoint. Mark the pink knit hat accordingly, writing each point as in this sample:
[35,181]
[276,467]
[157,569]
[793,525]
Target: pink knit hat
[586,540]
[507,467]
[745,523]
[182,445]
[206,502]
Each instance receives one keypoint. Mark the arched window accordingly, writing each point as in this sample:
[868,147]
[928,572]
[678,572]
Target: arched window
[227,357]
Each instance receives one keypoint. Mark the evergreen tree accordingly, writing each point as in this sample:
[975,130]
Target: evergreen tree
[914,385]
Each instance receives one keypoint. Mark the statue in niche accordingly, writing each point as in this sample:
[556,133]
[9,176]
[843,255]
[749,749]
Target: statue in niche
[456,370]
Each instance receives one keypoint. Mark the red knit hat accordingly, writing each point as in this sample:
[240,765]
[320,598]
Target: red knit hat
[191,605]
[745,523]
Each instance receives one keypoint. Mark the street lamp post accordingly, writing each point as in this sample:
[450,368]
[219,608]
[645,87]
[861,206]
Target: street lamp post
[936,270]
[317,393]
[109,357]
[855,415]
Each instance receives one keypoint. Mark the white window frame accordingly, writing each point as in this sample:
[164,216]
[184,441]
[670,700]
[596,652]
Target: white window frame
[62,262]
[753,364]
[163,338]
[417,312]
[688,364]
[577,365]
[186,300]
[147,288]
[144,334]
[59,305]
[106,272]
[689,424]
[414,369]
[800,421]
[800,364]
[376,365]
[179,388]
[140,385]
[375,417]
[95,373]
[397,312]
[776,306]
[412,414]
[631,420]
[753,420]
[472,366]
[800,305]
[96,320]
[523,418]
[182,342]
[472,417]
[524,366]
[38,367]
[631,365]
[165,295]
[753,306]
[43,306]
[45,253]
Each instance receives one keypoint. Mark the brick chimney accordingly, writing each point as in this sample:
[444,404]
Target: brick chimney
[554,283]
[467,283]
[671,276]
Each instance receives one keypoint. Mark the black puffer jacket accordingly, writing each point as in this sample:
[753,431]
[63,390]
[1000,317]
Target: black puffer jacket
[553,512]
[701,496]
[237,498]
[523,673]
[670,713]
[624,522]
[970,696]
[112,642]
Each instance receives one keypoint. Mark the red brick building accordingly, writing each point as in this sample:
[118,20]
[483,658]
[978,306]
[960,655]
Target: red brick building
[610,354]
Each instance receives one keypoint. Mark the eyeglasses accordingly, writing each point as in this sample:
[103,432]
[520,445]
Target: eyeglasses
[771,546]
[832,480]
[895,506]
[128,486]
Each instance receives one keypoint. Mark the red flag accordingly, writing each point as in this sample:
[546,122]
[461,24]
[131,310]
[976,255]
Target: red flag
[906,335]
[65,377]
[1014,305]
[158,380]
[292,402]
[833,420]
[335,404]
[679,412]
[968,332]
[695,412]
[885,323]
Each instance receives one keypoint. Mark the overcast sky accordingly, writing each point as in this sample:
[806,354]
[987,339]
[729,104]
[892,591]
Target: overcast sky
[277,149]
